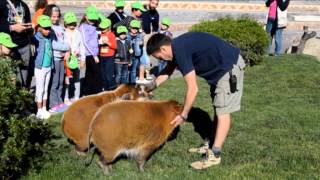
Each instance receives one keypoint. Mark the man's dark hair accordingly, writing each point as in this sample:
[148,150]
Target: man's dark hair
[156,41]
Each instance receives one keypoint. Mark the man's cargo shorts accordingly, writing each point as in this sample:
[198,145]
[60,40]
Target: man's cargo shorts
[225,102]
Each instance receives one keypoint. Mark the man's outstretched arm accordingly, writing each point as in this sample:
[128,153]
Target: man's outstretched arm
[191,94]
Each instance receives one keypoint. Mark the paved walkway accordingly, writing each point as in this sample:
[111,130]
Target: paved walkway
[184,13]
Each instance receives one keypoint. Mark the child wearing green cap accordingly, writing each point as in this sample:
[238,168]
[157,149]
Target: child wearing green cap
[165,25]
[75,63]
[6,44]
[88,28]
[123,56]
[137,9]
[108,46]
[118,14]
[60,48]
[164,29]
[136,38]
[43,64]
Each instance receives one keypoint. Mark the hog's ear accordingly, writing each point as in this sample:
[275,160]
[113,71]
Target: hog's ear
[126,96]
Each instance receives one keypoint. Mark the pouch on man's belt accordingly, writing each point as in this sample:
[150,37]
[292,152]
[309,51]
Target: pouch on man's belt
[233,82]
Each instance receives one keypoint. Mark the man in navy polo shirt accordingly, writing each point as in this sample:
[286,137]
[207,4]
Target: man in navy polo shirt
[219,63]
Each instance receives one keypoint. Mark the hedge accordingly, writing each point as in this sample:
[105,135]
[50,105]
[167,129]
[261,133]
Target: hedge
[244,33]
[22,138]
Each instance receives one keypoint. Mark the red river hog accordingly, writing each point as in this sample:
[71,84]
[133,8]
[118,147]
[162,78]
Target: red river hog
[131,128]
[77,118]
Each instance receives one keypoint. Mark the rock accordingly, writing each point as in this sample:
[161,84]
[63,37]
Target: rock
[312,47]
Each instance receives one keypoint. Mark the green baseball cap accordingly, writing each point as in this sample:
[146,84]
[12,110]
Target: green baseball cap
[101,16]
[72,62]
[92,13]
[69,18]
[166,21]
[6,40]
[44,21]
[138,5]
[122,29]
[135,24]
[105,23]
[119,3]
[91,9]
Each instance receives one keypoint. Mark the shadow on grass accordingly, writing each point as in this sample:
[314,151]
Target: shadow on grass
[202,123]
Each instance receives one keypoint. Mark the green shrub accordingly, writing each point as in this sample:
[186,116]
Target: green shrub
[244,33]
[22,138]
[13,100]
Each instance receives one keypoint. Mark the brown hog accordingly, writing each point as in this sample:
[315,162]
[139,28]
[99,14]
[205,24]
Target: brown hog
[131,128]
[77,118]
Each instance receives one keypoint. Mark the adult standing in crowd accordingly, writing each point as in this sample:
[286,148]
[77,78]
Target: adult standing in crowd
[150,18]
[137,9]
[118,14]
[150,25]
[15,19]
[276,22]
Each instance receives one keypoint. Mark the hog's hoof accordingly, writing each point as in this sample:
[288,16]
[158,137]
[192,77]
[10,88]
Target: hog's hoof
[141,166]
[106,169]
[141,169]
[80,153]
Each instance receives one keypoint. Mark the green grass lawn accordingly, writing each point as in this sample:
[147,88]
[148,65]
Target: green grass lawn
[274,136]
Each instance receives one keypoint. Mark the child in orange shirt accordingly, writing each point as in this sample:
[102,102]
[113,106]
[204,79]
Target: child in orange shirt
[108,45]
[40,6]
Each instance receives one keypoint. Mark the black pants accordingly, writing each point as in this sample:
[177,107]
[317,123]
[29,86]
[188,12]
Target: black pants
[108,73]
[72,81]
[92,80]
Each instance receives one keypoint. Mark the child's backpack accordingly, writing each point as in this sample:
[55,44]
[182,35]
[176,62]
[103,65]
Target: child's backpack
[72,62]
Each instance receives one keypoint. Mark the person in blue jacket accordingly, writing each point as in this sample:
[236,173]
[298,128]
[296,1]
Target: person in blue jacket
[136,39]
[43,64]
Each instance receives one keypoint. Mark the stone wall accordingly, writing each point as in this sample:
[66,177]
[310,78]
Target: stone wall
[186,13]
[297,6]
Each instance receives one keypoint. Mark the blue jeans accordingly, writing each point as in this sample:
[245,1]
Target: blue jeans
[276,32]
[107,73]
[144,59]
[57,81]
[122,76]
[133,70]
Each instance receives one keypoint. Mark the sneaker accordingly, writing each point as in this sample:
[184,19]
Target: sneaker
[39,114]
[54,109]
[46,114]
[68,102]
[207,162]
[149,77]
[62,107]
[201,150]
[143,81]
[74,100]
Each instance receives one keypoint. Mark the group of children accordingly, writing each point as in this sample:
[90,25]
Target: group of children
[90,51]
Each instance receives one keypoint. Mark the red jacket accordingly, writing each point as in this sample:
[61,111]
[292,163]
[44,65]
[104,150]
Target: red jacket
[108,50]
